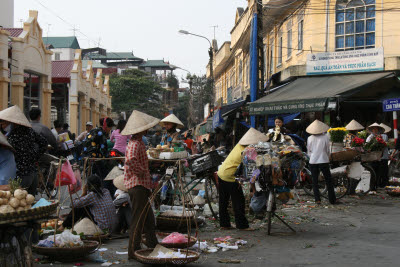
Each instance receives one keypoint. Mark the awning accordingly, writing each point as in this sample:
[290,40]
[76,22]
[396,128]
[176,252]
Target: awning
[313,93]
[226,110]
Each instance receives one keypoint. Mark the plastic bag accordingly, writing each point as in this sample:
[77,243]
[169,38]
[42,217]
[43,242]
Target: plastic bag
[67,175]
[78,185]
[175,238]
[66,239]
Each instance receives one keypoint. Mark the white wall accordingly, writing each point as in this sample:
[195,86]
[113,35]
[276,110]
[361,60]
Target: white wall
[7,13]
[65,53]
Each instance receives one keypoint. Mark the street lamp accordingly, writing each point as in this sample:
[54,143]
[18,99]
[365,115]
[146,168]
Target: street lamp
[211,55]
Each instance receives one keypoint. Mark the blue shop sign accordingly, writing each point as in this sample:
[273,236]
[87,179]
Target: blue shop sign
[391,104]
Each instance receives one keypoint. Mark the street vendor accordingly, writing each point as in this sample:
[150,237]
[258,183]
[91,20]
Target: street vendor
[7,163]
[138,182]
[29,146]
[229,188]
[94,203]
[279,126]
[381,171]
[318,149]
[353,127]
[385,157]
[171,123]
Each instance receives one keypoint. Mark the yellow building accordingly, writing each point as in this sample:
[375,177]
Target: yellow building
[28,77]
[319,57]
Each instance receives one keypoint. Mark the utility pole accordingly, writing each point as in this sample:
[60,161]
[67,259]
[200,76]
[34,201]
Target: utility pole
[74,30]
[260,47]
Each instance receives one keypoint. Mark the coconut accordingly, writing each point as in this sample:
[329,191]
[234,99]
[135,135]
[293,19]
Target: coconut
[30,199]
[20,208]
[2,194]
[8,194]
[6,209]
[19,194]
[1,201]
[22,203]
[14,202]
[87,227]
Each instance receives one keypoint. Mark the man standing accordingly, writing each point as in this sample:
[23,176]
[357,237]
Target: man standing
[318,149]
[35,114]
[82,136]
[138,182]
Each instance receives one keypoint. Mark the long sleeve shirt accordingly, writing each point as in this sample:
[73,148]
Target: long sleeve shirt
[29,147]
[318,149]
[228,168]
[102,208]
[137,171]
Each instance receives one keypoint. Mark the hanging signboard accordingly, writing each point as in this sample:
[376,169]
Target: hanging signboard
[292,106]
[391,104]
[345,61]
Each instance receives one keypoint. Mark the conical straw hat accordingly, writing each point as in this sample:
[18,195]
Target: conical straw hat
[317,127]
[3,141]
[139,122]
[173,119]
[381,129]
[87,227]
[14,115]
[114,173]
[119,183]
[387,128]
[354,126]
[252,136]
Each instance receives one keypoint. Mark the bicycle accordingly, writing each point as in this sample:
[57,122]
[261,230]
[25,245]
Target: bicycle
[47,172]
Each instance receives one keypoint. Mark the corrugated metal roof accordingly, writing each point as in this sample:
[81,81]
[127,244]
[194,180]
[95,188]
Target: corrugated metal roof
[62,42]
[14,32]
[61,68]
[156,63]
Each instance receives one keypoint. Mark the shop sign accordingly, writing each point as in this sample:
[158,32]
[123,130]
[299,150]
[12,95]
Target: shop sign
[391,104]
[346,61]
[288,106]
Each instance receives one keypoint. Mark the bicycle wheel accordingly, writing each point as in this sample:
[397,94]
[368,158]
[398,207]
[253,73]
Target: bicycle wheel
[212,195]
[308,185]
[341,185]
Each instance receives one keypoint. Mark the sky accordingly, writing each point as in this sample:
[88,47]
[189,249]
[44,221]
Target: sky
[149,28]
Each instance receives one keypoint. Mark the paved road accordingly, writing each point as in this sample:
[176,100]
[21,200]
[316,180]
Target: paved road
[360,232]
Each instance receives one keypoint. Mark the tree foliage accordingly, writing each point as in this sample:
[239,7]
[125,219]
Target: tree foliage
[135,89]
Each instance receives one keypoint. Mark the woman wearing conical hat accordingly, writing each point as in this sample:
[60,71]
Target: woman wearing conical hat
[8,167]
[353,127]
[377,131]
[171,123]
[318,149]
[229,188]
[29,146]
[138,183]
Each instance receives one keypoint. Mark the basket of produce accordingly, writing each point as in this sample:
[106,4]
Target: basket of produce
[154,153]
[346,155]
[393,191]
[162,255]
[17,206]
[371,156]
[394,181]
[67,247]
[173,240]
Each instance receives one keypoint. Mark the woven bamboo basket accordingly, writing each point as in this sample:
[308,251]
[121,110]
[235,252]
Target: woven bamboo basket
[100,238]
[154,153]
[27,215]
[143,257]
[371,156]
[68,254]
[171,223]
[392,191]
[346,155]
[161,236]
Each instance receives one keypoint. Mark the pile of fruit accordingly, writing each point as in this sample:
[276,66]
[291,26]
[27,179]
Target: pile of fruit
[15,201]
[164,148]
[51,224]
